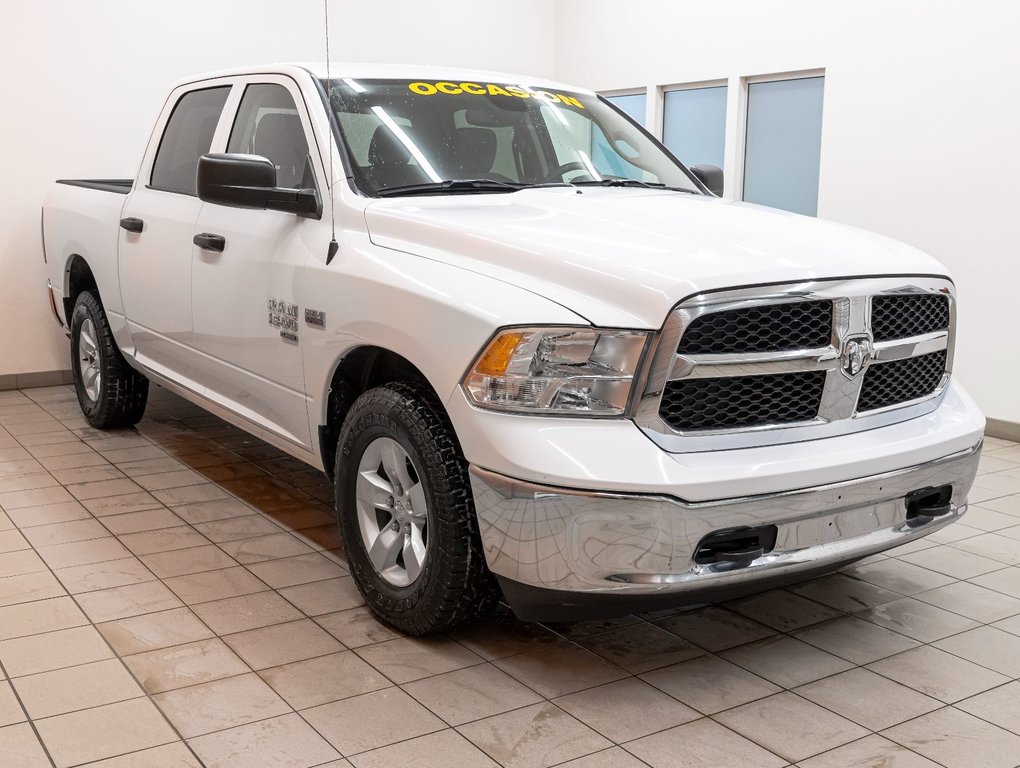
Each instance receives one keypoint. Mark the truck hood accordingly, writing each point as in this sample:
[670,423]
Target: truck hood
[625,257]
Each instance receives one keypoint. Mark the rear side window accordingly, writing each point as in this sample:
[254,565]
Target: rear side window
[268,124]
[188,135]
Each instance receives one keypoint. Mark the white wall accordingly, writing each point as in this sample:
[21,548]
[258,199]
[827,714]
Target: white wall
[83,82]
[920,129]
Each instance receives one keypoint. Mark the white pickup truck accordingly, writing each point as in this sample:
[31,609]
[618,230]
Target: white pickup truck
[540,358]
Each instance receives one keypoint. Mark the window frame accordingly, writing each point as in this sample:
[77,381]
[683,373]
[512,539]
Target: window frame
[719,82]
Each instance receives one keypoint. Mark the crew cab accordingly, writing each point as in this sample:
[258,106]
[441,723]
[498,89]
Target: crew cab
[541,359]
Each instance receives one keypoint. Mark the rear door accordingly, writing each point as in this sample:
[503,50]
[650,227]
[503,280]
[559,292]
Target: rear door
[155,262]
[249,322]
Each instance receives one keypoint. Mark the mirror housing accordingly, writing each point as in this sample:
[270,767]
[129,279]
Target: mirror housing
[249,181]
[711,176]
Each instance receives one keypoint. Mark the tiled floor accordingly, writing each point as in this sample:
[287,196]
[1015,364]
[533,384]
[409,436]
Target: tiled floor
[174,596]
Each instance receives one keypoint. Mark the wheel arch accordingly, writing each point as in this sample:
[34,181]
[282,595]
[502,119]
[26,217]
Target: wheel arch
[78,277]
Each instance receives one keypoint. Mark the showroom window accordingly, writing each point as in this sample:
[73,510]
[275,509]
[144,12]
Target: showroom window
[631,103]
[188,135]
[694,124]
[783,143]
[268,124]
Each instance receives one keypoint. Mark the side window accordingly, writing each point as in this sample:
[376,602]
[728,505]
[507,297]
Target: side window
[187,136]
[268,124]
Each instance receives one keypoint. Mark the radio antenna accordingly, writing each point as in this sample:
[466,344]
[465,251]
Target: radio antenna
[333,245]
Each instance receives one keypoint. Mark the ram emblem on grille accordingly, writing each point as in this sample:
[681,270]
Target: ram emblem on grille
[857,352]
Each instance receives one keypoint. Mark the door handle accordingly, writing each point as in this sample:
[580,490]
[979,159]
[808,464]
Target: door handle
[210,242]
[131,224]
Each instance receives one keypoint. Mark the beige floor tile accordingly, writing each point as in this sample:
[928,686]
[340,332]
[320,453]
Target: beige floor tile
[238,614]
[83,552]
[88,458]
[974,602]
[48,514]
[987,646]
[868,699]
[79,475]
[94,734]
[132,600]
[471,693]
[152,631]
[870,752]
[443,749]
[844,593]
[703,744]
[953,562]
[20,747]
[262,548]
[406,659]
[163,540]
[137,522]
[786,661]
[40,616]
[103,489]
[790,726]
[234,528]
[164,480]
[120,505]
[29,482]
[984,518]
[10,710]
[183,665]
[1000,706]
[173,755]
[918,620]
[614,757]
[372,720]
[278,742]
[1000,546]
[537,736]
[321,597]
[20,563]
[205,586]
[137,453]
[856,640]
[1006,581]
[220,704]
[73,688]
[899,576]
[502,635]
[138,467]
[359,626]
[53,650]
[958,740]
[626,710]
[282,644]
[105,575]
[938,674]
[29,587]
[12,541]
[710,684]
[302,569]
[323,679]
[39,497]
[641,647]
[783,610]
[65,533]
[184,561]
[192,494]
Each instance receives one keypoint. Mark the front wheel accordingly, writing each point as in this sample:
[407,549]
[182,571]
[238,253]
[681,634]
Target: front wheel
[110,392]
[407,515]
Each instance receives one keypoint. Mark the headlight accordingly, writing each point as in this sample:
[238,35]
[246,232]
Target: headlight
[557,371]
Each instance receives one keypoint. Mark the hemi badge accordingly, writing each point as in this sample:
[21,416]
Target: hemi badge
[315,317]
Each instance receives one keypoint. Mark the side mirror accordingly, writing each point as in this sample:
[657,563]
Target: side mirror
[249,181]
[711,176]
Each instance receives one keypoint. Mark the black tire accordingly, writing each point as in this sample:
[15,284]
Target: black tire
[118,400]
[454,585]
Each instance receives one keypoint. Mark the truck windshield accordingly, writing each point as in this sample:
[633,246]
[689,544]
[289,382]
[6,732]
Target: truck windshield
[416,137]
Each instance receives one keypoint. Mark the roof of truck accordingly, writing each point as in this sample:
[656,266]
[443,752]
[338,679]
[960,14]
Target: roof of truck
[369,71]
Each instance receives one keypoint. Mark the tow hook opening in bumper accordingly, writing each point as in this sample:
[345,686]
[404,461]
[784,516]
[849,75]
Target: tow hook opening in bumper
[739,546]
[925,504]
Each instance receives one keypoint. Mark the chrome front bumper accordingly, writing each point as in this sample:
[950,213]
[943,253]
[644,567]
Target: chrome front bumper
[612,544]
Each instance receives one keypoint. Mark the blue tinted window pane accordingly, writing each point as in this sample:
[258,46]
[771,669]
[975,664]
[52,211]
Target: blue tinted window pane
[694,125]
[633,105]
[784,144]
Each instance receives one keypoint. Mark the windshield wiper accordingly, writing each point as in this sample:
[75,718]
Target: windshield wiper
[613,182]
[460,186]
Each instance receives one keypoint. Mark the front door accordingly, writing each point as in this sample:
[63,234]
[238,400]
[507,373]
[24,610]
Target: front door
[247,315]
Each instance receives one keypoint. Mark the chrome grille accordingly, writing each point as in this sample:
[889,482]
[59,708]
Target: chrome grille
[779,364]
[903,316]
[768,328]
[901,381]
[742,401]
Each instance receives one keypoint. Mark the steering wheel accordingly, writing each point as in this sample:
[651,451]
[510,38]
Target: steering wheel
[557,173]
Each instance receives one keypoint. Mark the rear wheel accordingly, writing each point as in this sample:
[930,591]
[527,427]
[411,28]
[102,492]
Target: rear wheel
[110,392]
[407,514]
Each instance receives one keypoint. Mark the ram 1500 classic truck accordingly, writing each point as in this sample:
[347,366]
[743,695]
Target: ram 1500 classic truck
[540,358]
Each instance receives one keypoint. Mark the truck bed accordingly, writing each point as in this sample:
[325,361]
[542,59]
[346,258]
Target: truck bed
[117,186]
